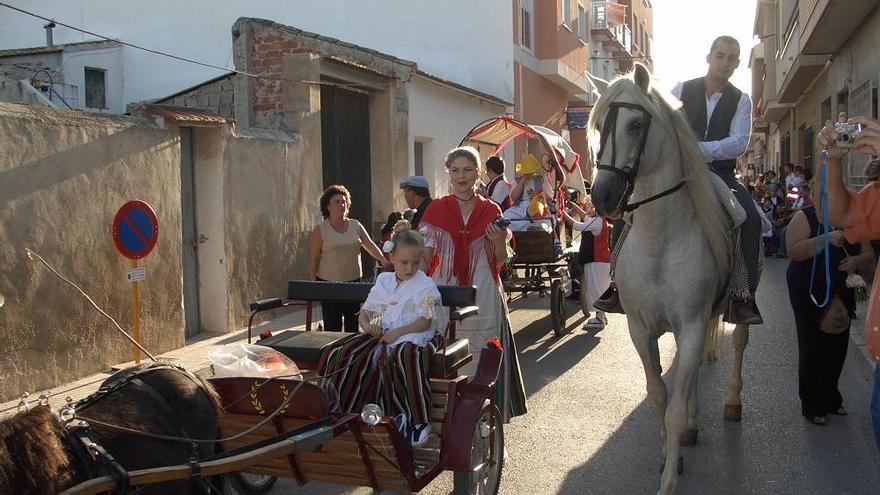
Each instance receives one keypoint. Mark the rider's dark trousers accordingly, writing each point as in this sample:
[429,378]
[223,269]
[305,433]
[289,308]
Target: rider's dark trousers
[750,236]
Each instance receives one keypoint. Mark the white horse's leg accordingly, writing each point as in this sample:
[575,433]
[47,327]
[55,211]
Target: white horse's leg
[689,435]
[690,348]
[649,352]
[733,402]
[710,349]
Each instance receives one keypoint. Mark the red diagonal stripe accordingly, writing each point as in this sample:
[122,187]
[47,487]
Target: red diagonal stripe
[137,232]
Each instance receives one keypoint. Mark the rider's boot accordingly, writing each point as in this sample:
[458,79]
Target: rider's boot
[743,312]
[609,301]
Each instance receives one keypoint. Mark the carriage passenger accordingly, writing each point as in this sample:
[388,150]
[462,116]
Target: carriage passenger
[528,199]
[399,316]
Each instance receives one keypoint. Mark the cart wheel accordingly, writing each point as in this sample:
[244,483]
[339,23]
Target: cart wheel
[557,307]
[487,457]
[251,484]
[585,307]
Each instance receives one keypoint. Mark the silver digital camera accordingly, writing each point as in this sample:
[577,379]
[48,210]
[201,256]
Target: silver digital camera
[846,133]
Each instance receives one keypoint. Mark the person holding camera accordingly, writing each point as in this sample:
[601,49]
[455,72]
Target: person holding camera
[466,244]
[860,213]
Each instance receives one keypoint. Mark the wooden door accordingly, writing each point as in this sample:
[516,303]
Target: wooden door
[192,324]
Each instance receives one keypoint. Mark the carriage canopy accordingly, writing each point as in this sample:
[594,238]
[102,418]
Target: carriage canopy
[560,163]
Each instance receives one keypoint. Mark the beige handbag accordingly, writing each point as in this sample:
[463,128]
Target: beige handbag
[835,320]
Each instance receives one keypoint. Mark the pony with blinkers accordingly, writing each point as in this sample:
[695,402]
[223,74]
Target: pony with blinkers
[151,415]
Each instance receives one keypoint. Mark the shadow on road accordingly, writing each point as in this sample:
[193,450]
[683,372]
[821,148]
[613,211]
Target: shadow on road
[544,357]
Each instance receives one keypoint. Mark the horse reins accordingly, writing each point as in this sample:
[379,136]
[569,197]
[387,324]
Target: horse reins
[628,173]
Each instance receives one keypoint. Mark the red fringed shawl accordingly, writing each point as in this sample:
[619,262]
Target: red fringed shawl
[463,243]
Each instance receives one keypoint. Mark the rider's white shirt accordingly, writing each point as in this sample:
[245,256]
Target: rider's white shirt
[740,127]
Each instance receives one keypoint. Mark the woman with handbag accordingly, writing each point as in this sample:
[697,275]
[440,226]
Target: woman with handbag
[822,331]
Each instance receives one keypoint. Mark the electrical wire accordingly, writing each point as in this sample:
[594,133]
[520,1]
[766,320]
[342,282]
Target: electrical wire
[177,57]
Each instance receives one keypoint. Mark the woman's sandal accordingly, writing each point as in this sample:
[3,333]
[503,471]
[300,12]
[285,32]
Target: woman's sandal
[840,411]
[819,420]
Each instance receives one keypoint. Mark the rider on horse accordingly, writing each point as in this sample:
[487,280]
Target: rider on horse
[720,115]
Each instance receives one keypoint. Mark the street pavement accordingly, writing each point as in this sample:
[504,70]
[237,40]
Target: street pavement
[591,430]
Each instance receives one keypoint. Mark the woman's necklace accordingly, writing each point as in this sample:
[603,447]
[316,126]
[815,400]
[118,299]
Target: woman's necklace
[465,200]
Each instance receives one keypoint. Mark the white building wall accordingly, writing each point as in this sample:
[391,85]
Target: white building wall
[439,117]
[454,39]
[107,59]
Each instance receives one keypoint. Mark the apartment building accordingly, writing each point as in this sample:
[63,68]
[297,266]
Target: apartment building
[551,52]
[816,58]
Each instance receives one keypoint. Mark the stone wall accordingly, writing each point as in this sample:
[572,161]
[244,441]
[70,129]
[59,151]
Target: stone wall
[270,205]
[217,96]
[63,176]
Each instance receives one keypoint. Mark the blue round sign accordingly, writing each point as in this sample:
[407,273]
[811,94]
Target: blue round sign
[135,229]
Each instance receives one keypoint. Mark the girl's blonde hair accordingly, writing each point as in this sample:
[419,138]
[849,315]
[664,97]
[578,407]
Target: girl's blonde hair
[404,235]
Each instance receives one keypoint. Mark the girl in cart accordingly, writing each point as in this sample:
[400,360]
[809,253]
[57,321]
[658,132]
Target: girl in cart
[398,317]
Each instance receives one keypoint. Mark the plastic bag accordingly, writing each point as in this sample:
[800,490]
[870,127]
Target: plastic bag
[240,359]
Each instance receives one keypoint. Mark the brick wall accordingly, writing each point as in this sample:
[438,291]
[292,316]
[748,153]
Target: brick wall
[267,56]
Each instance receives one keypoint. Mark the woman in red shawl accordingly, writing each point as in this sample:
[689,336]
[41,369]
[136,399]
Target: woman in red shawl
[465,247]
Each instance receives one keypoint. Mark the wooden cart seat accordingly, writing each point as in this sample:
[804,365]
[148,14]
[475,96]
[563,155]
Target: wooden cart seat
[306,349]
[534,246]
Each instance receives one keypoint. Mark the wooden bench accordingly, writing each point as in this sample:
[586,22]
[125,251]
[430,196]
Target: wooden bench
[307,347]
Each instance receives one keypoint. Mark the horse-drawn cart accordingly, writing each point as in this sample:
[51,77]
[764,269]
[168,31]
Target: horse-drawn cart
[291,427]
[541,261]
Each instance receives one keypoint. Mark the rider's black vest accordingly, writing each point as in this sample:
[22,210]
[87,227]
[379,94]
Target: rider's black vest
[693,98]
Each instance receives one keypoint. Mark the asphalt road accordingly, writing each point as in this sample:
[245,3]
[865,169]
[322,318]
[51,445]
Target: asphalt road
[590,429]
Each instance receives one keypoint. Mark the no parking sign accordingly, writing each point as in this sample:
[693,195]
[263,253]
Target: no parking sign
[135,232]
[135,229]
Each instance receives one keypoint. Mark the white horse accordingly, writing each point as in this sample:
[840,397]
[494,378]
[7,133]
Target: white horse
[673,268]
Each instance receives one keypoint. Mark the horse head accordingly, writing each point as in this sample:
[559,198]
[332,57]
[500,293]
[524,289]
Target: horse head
[629,146]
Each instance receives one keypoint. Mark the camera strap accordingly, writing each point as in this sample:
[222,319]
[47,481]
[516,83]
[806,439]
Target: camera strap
[826,226]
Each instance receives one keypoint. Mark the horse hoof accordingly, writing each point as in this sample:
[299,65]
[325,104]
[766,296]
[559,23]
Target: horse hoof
[733,412]
[688,437]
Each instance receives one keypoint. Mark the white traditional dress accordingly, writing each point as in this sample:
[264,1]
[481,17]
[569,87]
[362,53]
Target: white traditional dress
[464,255]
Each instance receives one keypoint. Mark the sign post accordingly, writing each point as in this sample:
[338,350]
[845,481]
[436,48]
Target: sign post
[135,232]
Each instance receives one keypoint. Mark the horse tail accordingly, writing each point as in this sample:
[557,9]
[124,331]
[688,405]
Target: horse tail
[710,344]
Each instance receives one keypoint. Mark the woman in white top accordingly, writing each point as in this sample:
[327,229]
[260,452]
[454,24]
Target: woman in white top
[335,254]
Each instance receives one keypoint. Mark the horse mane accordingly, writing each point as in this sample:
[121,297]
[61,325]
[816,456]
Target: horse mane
[33,458]
[710,215]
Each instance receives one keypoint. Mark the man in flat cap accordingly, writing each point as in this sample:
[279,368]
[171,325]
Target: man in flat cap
[417,196]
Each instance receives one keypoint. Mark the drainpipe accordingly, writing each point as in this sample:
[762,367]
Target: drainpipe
[49,27]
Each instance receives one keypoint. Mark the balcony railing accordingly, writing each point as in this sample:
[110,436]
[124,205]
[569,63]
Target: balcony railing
[601,20]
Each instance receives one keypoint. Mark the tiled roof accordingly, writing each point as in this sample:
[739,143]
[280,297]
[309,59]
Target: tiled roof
[181,114]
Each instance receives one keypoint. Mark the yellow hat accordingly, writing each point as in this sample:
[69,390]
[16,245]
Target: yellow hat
[529,165]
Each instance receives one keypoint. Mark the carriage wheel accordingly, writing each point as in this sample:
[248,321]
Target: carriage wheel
[584,295]
[251,484]
[487,457]
[557,307]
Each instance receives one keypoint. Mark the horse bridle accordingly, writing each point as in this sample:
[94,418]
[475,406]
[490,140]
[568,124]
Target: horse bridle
[629,173]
